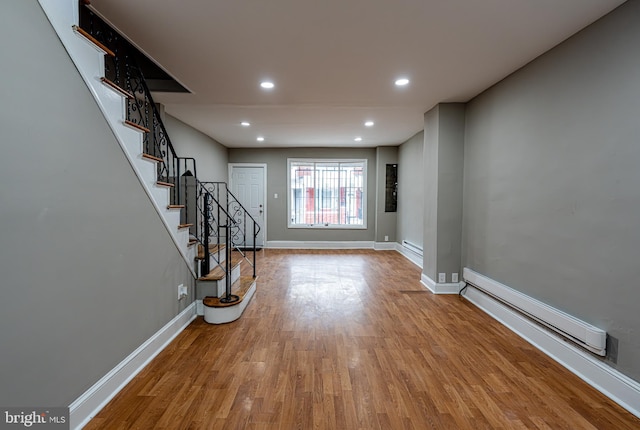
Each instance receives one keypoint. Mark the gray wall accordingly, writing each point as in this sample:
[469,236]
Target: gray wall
[211,157]
[552,183]
[411,190]
[276,160]
[88,270]
[450,187]
[430,183]
[443,158]
[385,221]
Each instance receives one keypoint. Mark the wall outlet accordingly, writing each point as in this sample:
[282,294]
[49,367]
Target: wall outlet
[442,278]
[454,277]
[386,238]
[275,195]
[182,292]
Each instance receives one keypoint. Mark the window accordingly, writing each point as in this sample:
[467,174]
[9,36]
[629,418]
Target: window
[327,193]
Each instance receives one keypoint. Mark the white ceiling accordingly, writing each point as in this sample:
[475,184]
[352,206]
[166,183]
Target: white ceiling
[334,62]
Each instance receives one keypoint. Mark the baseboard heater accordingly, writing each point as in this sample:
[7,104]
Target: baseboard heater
[589,337]
[410,246]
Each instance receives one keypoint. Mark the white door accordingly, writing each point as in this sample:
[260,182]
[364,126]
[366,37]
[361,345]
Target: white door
[247,184]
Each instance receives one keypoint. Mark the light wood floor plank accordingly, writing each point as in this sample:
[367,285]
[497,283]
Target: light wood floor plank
[351,340]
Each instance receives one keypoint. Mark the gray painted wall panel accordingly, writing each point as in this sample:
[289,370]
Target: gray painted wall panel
[410,190]
[89,272]
[450,183]
[211,156]
[551,189]
[385,221]
[430,181]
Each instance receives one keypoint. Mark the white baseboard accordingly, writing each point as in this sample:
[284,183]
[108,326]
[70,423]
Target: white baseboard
[199,308]
[384,246]
[95,398]
[613,384]
[410,255]
[436,288]
[304,244]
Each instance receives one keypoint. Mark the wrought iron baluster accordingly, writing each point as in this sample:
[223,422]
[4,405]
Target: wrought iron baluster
[232,218]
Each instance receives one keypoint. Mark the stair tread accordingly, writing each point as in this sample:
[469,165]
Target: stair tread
[93,40]
[239,288]
[175,206]
[212,250]
[151,157]
[218,272]
[164,184]
[185,225]
[137,126]
[116,87]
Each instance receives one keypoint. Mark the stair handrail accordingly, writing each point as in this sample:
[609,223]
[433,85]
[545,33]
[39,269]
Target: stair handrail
[210,225]
[124,73]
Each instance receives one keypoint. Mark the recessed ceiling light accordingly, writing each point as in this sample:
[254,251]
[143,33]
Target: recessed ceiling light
[245,124]
[267,85]
[260,139]
[369,123]
[358,139]
[402,82]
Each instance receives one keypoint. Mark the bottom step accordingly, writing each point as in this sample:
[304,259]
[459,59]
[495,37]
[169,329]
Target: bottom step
[217,312]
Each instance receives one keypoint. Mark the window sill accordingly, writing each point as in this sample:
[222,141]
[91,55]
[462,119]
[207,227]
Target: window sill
[328,226]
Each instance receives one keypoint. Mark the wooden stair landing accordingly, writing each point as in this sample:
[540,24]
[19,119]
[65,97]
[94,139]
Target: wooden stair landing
[240,289]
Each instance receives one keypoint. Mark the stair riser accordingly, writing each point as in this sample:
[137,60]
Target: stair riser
[147,170]
[230,313]
[216,288]
[172,217]
[222,284]
[161,194]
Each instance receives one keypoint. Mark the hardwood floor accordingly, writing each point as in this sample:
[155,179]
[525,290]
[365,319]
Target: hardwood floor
[351,340]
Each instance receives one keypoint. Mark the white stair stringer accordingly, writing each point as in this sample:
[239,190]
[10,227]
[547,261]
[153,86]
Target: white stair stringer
[89,60]
[192,253]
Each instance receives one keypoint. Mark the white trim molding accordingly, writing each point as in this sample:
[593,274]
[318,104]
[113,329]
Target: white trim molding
[440,288]
[85,407]
[333,161]
[410,254]
[610,382]
[303,244]
[384,246]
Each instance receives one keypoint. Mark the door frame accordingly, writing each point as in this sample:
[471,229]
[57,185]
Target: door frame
[231,166]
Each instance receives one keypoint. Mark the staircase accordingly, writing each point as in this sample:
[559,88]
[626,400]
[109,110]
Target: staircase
[209,227]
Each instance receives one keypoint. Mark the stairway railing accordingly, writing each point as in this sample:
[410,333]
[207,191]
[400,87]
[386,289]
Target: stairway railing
[217,230]
[211,219]
[123,71]
[245,224]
